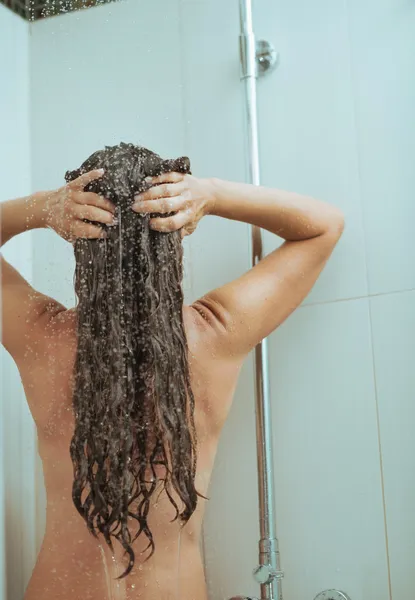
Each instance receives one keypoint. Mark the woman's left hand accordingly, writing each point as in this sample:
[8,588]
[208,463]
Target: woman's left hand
[187,196]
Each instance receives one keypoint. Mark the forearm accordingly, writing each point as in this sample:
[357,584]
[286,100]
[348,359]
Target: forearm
[22,214]
[288,215]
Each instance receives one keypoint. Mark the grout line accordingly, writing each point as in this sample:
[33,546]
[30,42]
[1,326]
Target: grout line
[352,298]
[359,169]
[382,475]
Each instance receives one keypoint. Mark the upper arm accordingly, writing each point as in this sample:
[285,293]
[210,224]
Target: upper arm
[25,313]
[247,310]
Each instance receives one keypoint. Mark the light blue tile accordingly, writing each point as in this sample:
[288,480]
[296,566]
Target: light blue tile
[214,113]
[327,464]
[383,46]
[393,319]
[307,128]
[14,106]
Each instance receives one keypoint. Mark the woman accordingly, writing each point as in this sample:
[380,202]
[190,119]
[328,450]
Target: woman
[137,385]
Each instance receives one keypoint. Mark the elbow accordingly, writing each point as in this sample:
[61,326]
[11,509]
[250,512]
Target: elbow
[337,223]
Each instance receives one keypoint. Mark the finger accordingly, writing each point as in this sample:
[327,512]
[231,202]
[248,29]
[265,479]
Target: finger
[88,231]
[167,190]
[161,206]
[169,224]
[93,200]
[173,177]
[80,182]
[92,213]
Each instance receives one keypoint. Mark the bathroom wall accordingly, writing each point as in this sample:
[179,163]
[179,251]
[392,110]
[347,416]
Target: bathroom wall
[384,86]
[17,442]
[335,122]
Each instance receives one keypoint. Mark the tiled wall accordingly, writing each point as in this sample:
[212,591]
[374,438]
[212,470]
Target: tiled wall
[382,48]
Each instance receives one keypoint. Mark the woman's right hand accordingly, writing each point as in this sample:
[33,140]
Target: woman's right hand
[189,197]
[67,207]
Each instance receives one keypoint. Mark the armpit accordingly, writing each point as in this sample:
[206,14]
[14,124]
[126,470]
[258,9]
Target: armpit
[212,313]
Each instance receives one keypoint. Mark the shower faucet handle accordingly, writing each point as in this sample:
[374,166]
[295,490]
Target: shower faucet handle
[266,574]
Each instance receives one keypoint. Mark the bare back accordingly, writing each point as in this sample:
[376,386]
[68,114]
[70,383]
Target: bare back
[71,560]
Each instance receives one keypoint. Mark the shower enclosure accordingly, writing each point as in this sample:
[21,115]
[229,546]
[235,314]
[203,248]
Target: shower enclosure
[335,121]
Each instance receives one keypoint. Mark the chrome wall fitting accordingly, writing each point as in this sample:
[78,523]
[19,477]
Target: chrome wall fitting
[267,57]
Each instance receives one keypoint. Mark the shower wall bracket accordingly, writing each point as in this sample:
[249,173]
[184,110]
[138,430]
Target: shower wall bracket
[267,58]
[258,58]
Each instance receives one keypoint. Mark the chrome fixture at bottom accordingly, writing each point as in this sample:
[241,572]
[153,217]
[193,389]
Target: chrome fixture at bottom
[332,595]
[326,595]
[266,574]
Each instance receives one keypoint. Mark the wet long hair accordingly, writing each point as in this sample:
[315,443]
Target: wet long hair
[132,401]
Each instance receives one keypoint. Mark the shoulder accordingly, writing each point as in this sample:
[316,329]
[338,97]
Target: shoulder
[52,342]
[46,367]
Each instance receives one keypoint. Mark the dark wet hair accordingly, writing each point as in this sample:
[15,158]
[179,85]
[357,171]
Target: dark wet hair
[132,401]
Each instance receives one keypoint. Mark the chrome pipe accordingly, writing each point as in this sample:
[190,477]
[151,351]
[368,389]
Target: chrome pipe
[268,573]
